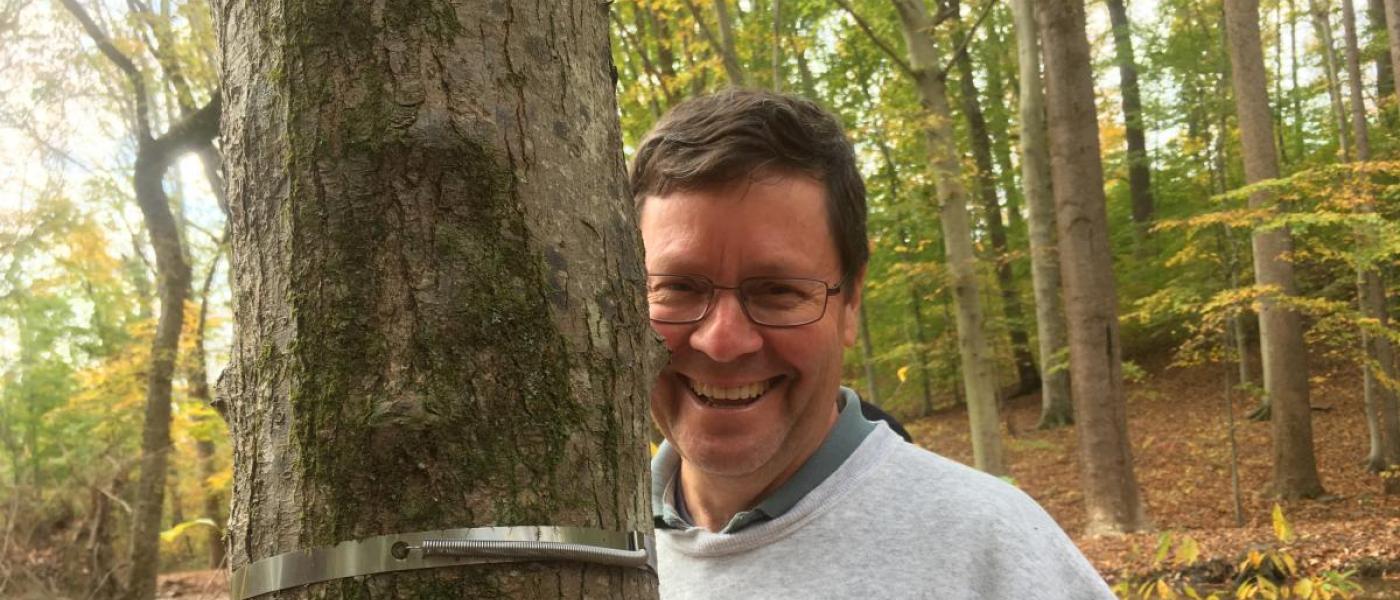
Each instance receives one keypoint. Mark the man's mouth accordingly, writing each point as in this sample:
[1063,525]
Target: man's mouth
[740,396]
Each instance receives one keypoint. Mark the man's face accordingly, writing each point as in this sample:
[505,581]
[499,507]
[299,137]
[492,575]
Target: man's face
[773,227]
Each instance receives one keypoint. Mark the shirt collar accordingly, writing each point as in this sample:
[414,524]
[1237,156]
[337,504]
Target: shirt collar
[850,430]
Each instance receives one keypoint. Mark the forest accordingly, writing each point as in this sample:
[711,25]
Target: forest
[1137,257]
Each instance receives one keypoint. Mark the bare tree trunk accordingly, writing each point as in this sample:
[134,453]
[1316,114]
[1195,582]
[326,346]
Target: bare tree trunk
[722,43]
[1385,77]
[154,156]
[867,358]
[1280,328]
[921,346]
[979,378]
[1139,165]
[777,45]
[1056,405]
[1381,414]
[1027,377]
[1111,492]
[198,381]
[1392,27]
[438,285]
[1322,21]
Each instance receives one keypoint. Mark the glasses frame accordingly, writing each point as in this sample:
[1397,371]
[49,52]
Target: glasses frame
[743,300]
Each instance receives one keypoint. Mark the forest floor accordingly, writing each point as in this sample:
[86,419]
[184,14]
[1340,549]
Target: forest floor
[1181,453]
[1177,423]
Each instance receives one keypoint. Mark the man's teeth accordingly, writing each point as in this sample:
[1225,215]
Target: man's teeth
[743,392]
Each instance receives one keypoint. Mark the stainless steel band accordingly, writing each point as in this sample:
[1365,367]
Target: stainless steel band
[441,548]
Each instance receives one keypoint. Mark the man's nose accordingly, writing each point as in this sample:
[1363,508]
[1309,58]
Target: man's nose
[726,334]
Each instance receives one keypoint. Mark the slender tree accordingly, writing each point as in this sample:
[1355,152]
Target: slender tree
[1379,399]
[723,43]
[1392,28]
[867,358]
[1091,302]
[1056,406]
[438,281]
[1280,328]
[1139,165]
[154,155]
[1028,378]
[929,77]
[1322,21]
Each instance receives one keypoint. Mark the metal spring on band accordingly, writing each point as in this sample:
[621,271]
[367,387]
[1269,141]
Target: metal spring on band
[526,550]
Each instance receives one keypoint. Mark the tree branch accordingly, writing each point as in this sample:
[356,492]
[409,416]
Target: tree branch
[967,37]
[886,48]
[190,133]
[104,43]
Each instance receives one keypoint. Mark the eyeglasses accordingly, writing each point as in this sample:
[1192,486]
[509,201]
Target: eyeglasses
[768,301]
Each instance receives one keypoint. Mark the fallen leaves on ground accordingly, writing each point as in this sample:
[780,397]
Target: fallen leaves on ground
[1177,422]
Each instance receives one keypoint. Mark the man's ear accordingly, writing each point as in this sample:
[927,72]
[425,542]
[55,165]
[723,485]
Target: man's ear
[854,295]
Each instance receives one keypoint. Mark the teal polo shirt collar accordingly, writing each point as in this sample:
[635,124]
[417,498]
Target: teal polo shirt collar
[849,431]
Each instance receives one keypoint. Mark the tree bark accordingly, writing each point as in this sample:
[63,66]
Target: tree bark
[154,155]
[1055,400]
[867,358]
[1111,492]
[722,43]
[1381,414]
[1026,375]
[1280,328]
[1392,28]
[438,287]
[198,380]
[1139,165]
[1385,77]
[1322,21]
[979,378]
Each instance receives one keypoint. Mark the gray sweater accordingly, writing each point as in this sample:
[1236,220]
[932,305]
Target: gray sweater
[894,521]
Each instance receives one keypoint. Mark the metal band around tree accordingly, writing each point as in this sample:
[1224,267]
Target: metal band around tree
[441,548]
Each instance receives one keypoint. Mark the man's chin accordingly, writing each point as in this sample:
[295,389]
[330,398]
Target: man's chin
[726,458]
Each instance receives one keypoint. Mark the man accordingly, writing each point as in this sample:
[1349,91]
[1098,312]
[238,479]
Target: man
[770,483]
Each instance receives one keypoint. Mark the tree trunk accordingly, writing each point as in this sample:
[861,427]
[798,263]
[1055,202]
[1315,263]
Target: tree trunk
[921,345]
[1379,398]
[438,280]
[1091,302]
[1385,77]
[1392,27]
[777,49]
[1280,328]
[1322,21]
[154,155]
[1026,375]
[1139,167]
[722,43]
[198,381]
[1056,405]
[979,377]
[867,358]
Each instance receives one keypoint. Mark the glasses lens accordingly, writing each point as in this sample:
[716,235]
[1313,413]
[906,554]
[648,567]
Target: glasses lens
[784,302]
[677,299]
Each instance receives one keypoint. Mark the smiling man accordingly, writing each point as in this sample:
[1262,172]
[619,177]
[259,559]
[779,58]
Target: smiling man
[771,484]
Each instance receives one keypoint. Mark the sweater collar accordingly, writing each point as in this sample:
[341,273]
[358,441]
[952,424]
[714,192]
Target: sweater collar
[851,428]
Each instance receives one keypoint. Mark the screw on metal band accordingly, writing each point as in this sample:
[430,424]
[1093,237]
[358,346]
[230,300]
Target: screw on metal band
[441,548]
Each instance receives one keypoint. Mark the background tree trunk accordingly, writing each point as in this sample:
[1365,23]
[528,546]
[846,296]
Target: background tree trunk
[979,377]
[1056,405]
[1322,22]
[1392,28]
[1086,262]
[1139,165]
[1280,329]
[867,358]
[1027,377]
[1379,399]
[437,286]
